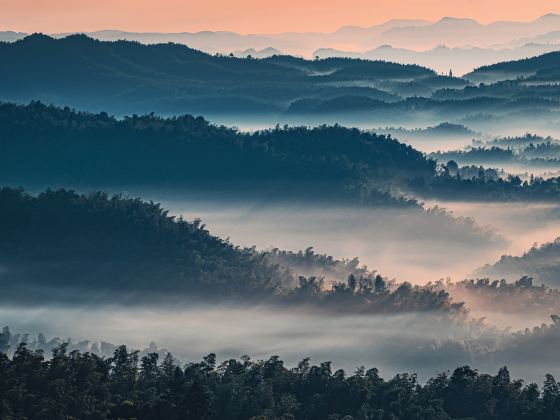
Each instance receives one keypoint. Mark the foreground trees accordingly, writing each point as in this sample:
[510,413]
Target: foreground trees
[85,386]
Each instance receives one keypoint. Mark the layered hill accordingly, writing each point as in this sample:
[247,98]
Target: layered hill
[60,246]
[541,262]
[44,146]
[543,68]
[125,77]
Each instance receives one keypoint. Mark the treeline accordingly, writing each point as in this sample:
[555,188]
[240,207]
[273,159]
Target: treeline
[483,185]
[63,246]
[519,296]
[130,77]
[64,240]
[309,263]
[530,151]
[518,142]
[531,68]
[46,146]
[86,386]
[446,103]
[541,262]
[9,342]
[170,78]
[43,146]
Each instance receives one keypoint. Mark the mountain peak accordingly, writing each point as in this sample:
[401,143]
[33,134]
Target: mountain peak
[454,20]
[549,16]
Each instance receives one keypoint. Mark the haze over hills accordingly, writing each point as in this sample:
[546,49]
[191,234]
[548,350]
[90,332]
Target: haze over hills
[459,60]
[298,194]
[252,53]
[469,43]
[541,69]
[541,262]
[125,77]
[456,32]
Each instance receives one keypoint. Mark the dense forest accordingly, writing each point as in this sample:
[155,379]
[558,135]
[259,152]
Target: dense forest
[61,246]
[86,386]
[173,78]
[47,145]
[126,77]
[44,146]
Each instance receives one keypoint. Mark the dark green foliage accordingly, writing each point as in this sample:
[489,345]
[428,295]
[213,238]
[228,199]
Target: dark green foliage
[510,297]
[477,183]
[116,246]
[529,151]
[85,386]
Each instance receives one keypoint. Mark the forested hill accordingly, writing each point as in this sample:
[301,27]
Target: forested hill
[148,387]
[539,67]
[61,246]
[44,146]
[127,77]
[124,77]
[541,262]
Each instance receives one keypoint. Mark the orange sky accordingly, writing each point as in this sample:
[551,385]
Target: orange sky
[249,16]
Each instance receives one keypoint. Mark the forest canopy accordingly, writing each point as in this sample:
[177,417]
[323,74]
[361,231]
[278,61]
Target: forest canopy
[86,386]
[44,146]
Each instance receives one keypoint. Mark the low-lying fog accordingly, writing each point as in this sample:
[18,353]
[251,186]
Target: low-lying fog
[402,244]
[416,342]
[523,224]
[408,245]
[413,130]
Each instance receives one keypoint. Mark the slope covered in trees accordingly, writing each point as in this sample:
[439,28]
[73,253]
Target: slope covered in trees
[44,146]
[541,262]
[539,66]
[61,246]
[62,241]
[126,77]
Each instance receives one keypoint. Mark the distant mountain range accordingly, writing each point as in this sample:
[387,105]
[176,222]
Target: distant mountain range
[251,52]
[455,32]
[127,77]
[459,60]
[124,77]
[468,43]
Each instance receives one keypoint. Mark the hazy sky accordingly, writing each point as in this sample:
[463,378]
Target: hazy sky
[249,16]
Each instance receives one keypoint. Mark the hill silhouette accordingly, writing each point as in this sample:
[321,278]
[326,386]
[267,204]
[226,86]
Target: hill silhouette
[537,67]
[45,146]
[125,76]
[98,151]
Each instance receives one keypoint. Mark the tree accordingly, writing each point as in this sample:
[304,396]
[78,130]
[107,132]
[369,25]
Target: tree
[5,337]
